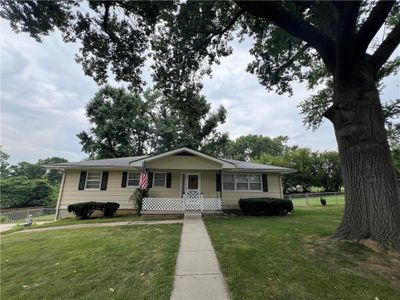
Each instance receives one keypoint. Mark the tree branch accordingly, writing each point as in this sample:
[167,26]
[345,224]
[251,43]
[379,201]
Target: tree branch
[291,60]
[208,38]
[372,25]
[386,49]
[298,28]
[219,33]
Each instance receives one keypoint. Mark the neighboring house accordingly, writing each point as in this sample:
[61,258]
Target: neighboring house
[178,180]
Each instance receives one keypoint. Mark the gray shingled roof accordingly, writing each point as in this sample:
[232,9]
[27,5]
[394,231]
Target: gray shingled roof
[249,165]
[109,162]
[125,163]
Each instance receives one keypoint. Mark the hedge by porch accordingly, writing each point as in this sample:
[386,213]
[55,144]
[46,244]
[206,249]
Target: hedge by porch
[265,206]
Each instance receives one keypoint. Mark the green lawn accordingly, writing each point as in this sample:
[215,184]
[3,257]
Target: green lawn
[131,218]
[292,257]
[74,221]
[137,262]
[314,201]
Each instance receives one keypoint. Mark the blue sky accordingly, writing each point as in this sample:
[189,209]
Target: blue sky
[44,93]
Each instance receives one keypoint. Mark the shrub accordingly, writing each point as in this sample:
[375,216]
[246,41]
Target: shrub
[3,219]
[108,208]
[323,201]
[265,206]
[137,198]
[83,210]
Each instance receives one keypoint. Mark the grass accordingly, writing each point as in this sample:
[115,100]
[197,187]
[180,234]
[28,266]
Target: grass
[292,257]
[314,201]
[74,221]
[138,262]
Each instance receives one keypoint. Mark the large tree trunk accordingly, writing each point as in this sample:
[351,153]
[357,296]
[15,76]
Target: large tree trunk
[372,209]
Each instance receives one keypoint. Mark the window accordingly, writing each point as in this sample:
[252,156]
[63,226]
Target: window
[229,182]
[133,179]
[242,182]
[93,179]
[160,179]
[255,182]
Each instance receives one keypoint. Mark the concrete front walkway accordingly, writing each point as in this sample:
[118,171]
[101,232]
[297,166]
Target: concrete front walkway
[197,274]
[108,224]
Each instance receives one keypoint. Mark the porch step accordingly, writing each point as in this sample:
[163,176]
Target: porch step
[193,213]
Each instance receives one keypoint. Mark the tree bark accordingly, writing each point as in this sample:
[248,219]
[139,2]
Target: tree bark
[372,208]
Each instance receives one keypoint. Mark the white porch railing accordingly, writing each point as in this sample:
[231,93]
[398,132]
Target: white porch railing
[181,204]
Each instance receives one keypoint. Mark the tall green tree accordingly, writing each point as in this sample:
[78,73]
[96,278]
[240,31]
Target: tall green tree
[28,170]
[303,160]
[4,164]
[120,124]
[21,191]
[313,169]
[328,171]
[53,177]
[249,147]
[191,124]
[316,41]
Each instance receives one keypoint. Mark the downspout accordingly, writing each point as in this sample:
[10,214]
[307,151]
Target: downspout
[60,192]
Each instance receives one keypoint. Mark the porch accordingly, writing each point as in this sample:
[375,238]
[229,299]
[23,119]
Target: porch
[181,205]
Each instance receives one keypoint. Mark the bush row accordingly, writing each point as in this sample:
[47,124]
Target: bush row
[266,206]
[85,209]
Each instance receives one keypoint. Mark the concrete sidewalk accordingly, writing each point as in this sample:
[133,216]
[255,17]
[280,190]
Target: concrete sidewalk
[197,274]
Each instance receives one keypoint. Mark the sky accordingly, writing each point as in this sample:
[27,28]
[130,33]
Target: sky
[44,93]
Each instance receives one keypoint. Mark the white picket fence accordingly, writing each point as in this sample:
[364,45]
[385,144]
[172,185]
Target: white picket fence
[181,204]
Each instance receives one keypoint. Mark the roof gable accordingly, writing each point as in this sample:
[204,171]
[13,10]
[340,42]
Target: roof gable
[181,152]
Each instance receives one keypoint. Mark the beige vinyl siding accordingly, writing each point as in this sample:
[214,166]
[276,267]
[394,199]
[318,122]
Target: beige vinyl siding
[114,192]
[230,199]
[182,162]
[207,184]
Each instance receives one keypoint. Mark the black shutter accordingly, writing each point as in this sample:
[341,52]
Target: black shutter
[218,182]
[168,180]
[265,182]
[104,180]
[82,180]
[124,177]
[150,180]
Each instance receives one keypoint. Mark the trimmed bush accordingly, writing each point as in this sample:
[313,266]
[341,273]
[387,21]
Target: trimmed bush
[265,206]
[108,208]
[137,198]
[83,210]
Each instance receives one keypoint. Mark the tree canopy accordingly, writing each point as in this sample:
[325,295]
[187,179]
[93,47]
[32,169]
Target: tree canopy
[28,184]
[126,123]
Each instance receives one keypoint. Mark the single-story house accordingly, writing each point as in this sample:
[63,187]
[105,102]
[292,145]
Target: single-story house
[178,180]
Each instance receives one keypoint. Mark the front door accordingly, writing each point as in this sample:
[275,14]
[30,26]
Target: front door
[192,191]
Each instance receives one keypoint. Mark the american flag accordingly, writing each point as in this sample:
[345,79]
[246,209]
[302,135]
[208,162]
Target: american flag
[144,179]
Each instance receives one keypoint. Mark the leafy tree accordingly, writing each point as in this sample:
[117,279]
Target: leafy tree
[250,147]
[23,192]
[4,171]
[120,124]
[328,171]
[127,124]
[52,176]
[312,169]
[315,41]
[303,160]
[28,170]
[191,124]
